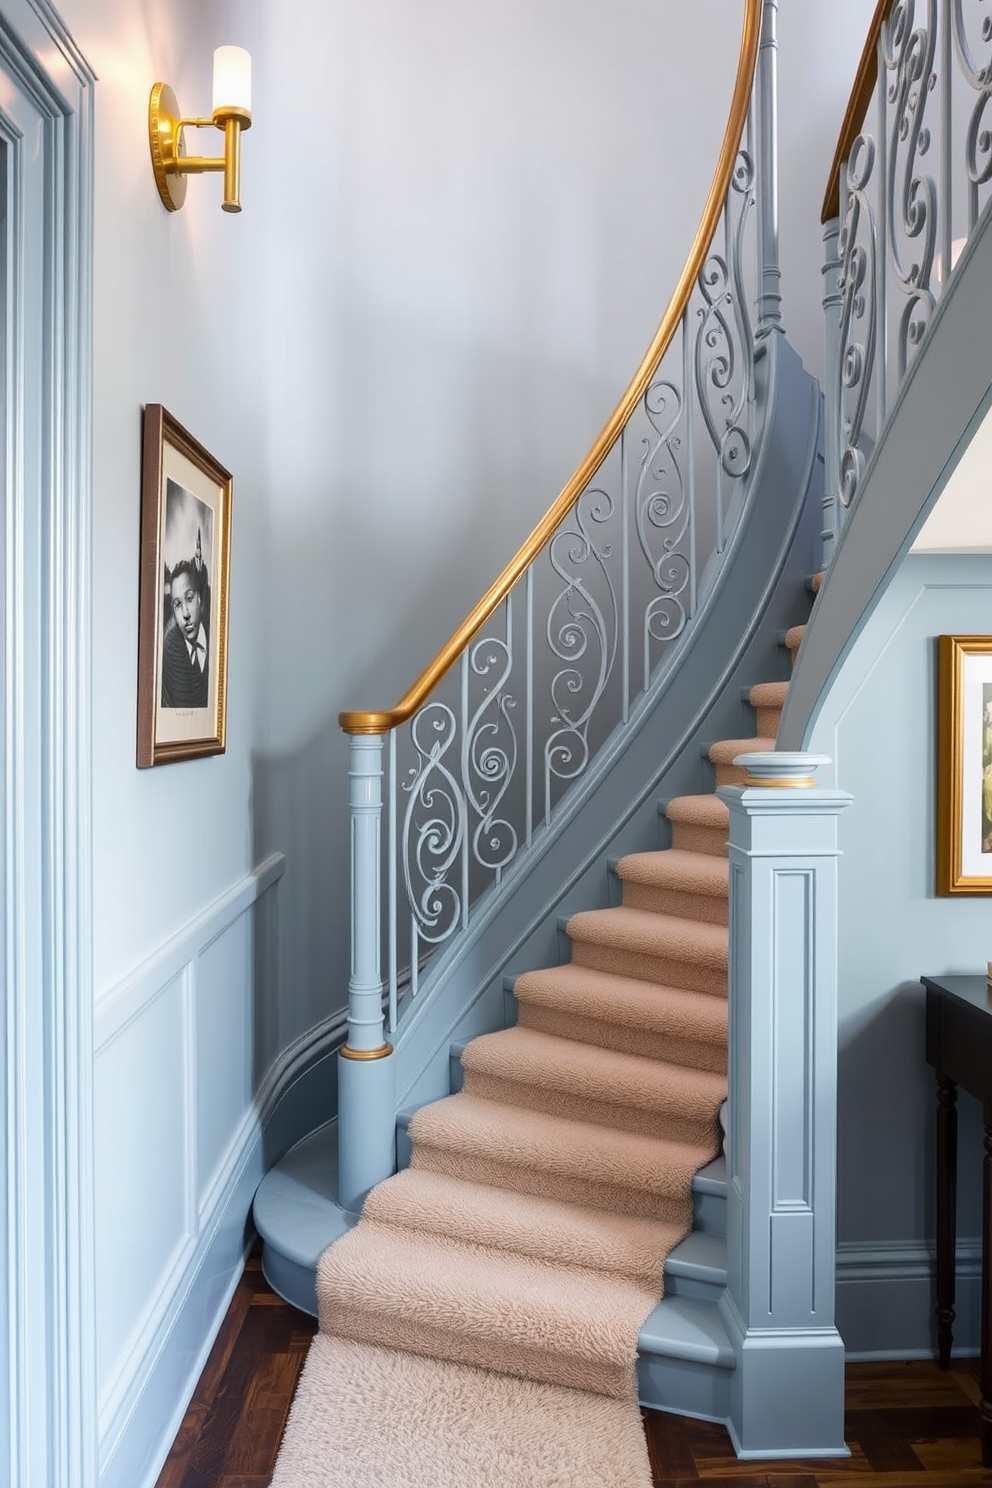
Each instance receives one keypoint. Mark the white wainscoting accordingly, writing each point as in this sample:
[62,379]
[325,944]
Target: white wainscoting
[189,1113]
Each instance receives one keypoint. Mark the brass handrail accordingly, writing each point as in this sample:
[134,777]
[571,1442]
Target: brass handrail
[857,107]
[381,722]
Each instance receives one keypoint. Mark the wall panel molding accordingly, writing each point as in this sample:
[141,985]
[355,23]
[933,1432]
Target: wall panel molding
[160,1354]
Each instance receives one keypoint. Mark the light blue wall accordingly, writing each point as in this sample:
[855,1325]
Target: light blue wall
[878,724]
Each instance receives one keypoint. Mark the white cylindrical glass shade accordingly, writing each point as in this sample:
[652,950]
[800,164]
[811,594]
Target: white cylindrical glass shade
[232,79]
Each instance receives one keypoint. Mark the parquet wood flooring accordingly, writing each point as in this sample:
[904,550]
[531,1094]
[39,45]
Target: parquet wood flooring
[908,1425]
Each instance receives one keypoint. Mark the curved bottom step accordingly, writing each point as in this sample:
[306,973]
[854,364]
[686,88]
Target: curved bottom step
[684,1356]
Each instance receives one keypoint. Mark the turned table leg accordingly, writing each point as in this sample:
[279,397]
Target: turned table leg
[986,1369]
[947,1165]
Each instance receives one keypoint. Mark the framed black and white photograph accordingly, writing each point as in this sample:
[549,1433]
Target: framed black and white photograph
[183,592]
[964,765]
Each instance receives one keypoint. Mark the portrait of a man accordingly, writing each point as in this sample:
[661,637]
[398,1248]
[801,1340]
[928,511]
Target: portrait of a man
[185,662]
[185,648]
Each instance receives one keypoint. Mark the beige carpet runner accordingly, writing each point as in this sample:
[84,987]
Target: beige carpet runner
[479,1325]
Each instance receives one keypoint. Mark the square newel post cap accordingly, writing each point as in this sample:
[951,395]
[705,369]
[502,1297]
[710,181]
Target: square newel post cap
[782,780]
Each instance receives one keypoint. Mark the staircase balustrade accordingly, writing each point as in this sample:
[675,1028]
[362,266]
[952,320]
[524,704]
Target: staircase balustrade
[907,187]
[585,624]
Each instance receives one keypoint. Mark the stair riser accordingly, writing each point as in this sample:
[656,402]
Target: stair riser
[705,907]
[682,1386]
[646,968]
[624,1040]
[709,1213]
[691,1286]
[669,1124]
[386,1330]
[709,840]
[526,1180]
[729,775]
[768,722]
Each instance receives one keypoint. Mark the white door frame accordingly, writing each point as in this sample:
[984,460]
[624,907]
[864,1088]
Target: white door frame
[47,1332]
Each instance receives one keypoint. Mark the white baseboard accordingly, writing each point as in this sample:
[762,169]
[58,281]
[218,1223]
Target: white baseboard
[885,1300]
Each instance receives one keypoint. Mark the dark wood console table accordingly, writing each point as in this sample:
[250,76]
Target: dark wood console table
[959,1046]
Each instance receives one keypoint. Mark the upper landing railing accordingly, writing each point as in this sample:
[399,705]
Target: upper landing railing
[908,184]
[485,744]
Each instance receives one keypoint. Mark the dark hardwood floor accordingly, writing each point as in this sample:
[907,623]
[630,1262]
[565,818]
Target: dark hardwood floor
[908,1425]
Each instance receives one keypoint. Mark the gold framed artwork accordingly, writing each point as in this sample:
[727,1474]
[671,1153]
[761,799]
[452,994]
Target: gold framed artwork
[964,764]
[183,594]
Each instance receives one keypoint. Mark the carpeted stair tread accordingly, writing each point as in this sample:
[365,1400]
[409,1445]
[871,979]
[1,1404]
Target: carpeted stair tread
[542,1072]
[359,1417]
[691,872]
[698,811]
[613,998]
[512,1314]
[793,638]
[768,694]
[625,1013]
[641,931]
[526,1224]
[572,1161]
[724,750]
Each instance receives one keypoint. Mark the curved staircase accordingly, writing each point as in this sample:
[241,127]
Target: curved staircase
[563,1211]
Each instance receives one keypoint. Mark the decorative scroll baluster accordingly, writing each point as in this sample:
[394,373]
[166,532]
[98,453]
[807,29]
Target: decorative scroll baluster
[433,831]
[833,301]
[625,576]
[529,784]
[690,444]
[489,754]
[662,507]
[576,622]
[880,263]
[945,198]
[908,53]
[859,316]
[978,76]
[725,347]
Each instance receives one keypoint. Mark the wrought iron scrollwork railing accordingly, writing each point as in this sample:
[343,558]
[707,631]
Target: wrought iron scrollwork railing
[907,187]
[483,749]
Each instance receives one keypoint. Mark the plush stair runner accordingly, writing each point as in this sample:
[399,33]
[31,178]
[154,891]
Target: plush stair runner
[480,1323]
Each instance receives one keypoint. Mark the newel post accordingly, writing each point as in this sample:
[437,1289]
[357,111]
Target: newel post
[787,1391]
[833,391]
[366,1083]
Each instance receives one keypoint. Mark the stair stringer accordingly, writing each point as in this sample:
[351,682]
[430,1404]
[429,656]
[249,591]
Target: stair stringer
[760,591]
[943,399]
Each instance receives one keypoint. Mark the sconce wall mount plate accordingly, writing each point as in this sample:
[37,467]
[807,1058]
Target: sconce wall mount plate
[167,145]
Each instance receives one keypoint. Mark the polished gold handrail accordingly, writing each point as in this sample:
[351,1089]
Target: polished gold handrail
[857,107]
[381,722]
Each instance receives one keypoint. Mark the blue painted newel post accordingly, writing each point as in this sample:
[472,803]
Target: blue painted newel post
[366,1093]
[788,1388]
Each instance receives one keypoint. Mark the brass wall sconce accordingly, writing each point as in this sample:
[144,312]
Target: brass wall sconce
[231,113]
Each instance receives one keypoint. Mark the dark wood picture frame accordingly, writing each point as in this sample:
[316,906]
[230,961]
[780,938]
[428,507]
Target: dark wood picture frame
[964,764]
[183,594]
